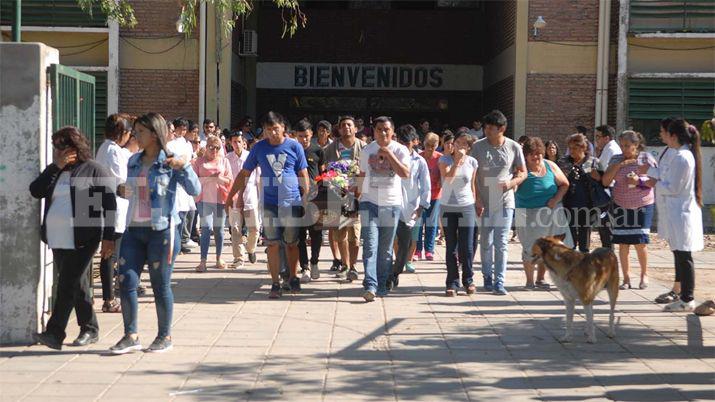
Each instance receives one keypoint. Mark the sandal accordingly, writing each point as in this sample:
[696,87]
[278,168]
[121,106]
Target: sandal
[707,308]
[450,292]
[644,283]
[111,306]
[220,264]
[471,289]
[542,284]
[201,267]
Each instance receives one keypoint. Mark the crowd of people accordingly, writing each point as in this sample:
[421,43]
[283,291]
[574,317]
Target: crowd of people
[166,187]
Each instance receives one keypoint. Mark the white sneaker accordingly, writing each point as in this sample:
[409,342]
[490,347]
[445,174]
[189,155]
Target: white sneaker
[191,244]
[305,278]
[680,306]
[314,272]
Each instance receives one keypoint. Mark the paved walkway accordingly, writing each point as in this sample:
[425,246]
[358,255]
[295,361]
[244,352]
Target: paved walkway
[232,343]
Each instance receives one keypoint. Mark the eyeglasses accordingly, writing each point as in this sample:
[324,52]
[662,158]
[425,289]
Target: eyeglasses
[213,147]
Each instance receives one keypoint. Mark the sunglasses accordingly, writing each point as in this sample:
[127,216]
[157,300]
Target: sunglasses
[60,146]
[213,147]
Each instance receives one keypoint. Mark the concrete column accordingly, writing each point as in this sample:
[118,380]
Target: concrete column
[113,69]
[521,63]
[622,91]
[25,262]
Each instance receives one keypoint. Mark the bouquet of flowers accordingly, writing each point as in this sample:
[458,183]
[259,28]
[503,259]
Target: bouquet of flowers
[339,175]
[334,198]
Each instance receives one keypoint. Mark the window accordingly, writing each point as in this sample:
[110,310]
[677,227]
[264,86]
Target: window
[650,100]
[100,105]
[57,13]
[672,16]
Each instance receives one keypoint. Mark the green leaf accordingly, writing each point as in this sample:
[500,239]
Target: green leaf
[231,10]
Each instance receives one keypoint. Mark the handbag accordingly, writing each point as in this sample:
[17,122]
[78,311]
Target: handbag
[597,195]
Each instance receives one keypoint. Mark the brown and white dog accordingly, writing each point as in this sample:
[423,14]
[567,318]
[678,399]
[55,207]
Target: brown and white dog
[579,276]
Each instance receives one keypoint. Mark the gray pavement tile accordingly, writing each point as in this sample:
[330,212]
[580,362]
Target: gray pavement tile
[414,345]
[61,389]
[82,377]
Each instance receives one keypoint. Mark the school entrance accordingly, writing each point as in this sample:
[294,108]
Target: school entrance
[438,60]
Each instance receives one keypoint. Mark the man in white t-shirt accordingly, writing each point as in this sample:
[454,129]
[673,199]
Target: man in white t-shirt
[606,148]
[247,215]
[383,165]
[184,202]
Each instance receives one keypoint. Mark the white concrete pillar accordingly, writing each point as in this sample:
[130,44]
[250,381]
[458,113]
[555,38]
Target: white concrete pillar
[25,262]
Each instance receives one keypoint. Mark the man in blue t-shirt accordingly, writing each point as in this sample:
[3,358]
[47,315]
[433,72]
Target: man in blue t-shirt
[283,173]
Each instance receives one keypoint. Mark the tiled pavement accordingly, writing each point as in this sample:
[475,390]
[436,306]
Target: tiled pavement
[232,343]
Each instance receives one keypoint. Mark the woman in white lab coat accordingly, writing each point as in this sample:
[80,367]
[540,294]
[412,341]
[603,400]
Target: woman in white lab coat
[678,183]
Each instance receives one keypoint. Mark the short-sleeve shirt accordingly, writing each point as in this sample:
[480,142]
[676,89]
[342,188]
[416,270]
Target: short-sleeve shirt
[382,186]
[279,166]
[435,176]
[496,164]
[314,157]
[635,197]
[459,193]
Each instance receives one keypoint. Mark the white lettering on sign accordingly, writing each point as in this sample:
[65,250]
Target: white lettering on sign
[369,76]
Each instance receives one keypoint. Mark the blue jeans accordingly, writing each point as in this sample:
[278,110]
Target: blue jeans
[213,216]
[158,249]
[458,224]
[378,232]
[493,244]
[430,217]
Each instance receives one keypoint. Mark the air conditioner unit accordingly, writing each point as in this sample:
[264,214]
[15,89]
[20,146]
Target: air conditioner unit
[249,43]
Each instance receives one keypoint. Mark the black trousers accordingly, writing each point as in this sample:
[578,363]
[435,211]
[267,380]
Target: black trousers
[107,271]
[73,291]
[604,229]
[580,220]
[193,218]
[316,242]
[685,273]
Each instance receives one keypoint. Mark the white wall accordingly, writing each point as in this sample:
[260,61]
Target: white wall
[708,172]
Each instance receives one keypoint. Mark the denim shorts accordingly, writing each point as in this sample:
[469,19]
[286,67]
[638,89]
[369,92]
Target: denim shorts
[282,223]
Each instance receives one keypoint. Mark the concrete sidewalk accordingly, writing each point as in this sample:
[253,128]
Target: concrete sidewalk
[326,344]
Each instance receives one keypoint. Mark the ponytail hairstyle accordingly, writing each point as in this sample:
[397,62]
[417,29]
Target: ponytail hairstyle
[157,125]
[665,123]
[687,134]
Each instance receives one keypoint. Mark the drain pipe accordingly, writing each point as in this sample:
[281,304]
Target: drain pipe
[202,62]
[604,50]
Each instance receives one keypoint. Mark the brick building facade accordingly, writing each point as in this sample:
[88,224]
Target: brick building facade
[657,63]
[168,88]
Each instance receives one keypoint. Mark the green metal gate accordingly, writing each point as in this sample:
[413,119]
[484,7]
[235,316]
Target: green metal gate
[73,104]
[73,100]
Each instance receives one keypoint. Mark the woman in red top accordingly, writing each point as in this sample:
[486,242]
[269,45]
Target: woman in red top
[215,175]
[430,217]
